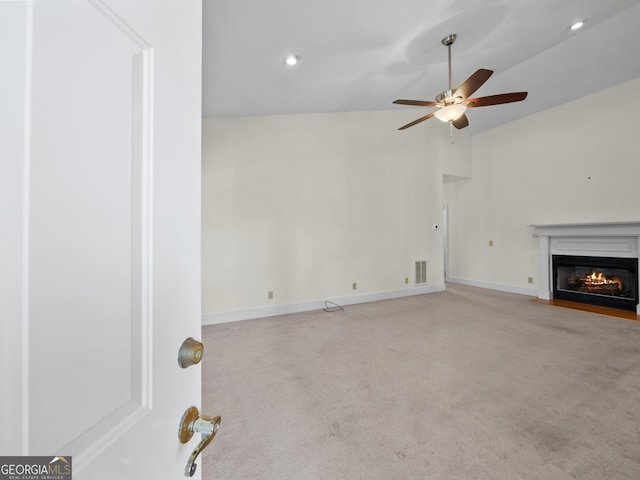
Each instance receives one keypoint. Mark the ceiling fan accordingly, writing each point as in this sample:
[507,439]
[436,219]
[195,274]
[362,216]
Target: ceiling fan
[452,104]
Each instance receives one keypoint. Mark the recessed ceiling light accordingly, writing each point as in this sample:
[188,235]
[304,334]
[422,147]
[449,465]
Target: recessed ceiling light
[292,60]
[577,25]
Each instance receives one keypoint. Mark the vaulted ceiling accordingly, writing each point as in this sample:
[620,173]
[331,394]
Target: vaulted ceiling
[360,55]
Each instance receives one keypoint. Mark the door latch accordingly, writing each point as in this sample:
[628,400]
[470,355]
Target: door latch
[192,423]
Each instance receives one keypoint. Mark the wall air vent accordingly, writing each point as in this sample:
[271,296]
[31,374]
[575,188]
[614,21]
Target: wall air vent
[421,272]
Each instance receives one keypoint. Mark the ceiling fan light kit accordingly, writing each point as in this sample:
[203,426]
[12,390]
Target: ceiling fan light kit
[450,112]
[452,104]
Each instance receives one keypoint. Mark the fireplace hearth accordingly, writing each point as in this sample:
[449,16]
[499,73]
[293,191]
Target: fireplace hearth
[603,281]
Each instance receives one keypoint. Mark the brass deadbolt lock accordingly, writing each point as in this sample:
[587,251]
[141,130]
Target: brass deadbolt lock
[190,353]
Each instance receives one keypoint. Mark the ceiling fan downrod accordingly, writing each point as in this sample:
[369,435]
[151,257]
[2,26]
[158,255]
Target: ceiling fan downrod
[447,42]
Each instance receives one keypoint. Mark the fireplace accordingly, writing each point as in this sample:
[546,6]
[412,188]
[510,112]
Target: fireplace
[605,281]
[594,263]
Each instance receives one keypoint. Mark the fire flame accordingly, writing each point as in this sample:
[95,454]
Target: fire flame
[598,279]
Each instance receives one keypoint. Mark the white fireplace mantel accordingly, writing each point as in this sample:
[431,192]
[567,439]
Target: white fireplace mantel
[588,229]
[613,239]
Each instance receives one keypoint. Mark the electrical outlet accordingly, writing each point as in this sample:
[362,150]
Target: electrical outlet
[270,295]
[406,280]
[491,243]
[530,279]
[353,286]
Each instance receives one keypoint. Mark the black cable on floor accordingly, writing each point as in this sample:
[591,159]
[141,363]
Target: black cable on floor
[334,308]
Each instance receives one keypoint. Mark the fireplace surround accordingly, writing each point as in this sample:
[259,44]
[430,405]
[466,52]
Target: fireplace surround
[606,253]
[604,281]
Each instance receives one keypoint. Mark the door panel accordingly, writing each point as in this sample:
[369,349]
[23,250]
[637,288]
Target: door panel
[81,202]
[106,238]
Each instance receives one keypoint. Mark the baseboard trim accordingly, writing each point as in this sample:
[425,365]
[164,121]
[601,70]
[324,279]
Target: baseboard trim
[531,292]
[262,312]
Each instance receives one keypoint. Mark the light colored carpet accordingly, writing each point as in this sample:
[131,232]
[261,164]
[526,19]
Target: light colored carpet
[463,384]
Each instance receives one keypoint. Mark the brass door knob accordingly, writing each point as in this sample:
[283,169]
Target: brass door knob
[190,353]
[192,423]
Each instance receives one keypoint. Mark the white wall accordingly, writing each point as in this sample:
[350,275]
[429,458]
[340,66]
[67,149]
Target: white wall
[578,162]
[306,205]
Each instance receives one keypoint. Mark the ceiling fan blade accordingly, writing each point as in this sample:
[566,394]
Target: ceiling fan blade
[473,83]
[461,122]
[421,119]
[496,99]
[418,103]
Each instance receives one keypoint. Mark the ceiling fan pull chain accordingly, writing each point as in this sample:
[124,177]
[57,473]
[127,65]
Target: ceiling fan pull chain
[451,130]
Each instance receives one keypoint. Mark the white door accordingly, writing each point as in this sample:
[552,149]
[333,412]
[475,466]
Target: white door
[100,246]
